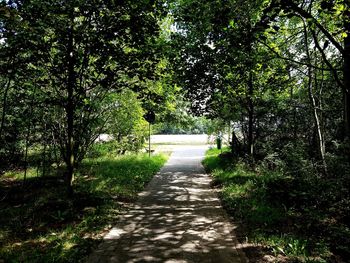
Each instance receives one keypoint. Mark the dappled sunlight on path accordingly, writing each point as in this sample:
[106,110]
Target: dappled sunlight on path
[177,218]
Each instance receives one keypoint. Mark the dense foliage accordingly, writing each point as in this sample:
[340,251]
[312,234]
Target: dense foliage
[274,68]
[283,218]
[62,64]
[274,74]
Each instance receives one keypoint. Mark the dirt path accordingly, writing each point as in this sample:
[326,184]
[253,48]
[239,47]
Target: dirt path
[178,218]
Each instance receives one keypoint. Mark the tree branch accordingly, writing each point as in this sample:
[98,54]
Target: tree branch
[292,60]
[307,15]
[335,73]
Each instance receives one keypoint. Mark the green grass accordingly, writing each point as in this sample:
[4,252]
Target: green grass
[18,174]
[121,176]
[288,215]
[38,224]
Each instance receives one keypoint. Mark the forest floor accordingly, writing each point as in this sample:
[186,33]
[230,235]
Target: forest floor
[178,218]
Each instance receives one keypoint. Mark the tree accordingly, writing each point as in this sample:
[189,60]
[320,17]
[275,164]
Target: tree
[248,63]
[126,122]
[221,60]
[331,19]
[81,53]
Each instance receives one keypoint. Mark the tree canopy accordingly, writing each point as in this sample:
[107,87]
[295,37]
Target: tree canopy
[274,74]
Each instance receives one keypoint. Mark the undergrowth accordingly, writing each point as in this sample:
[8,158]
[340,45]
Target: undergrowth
[302,218]
[39,224]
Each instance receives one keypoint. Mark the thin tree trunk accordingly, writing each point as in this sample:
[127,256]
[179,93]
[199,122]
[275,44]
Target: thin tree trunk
[28,134]
[313,104]
[55,149]
[292,103]
[44,160]
[4,106]
[70,157]
[250,94]
[347,86]
[346,71]
[320,109]
[229,132]
[244,131]
[250,116]
[317,122]
[26,154]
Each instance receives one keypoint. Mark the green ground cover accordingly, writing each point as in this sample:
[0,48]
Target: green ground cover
[37,222]
[299,219]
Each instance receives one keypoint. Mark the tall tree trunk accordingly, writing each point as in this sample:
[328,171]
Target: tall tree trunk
[294,109]
[250,116]
[347,84]
[321,143]
[70,156]
[28,134]
[250,94]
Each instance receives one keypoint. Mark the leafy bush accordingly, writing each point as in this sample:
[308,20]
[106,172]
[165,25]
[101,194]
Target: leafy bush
[127,124]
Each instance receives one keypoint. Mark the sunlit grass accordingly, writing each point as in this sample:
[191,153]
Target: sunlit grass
[124,176]
[19,174]
[41,225]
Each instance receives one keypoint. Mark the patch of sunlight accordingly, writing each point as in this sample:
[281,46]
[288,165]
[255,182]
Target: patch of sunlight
[238,190]
[19,174]
[42,239]
[67,245]
[17,244]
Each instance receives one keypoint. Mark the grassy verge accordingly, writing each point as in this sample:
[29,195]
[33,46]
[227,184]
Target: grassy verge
[283,218]
[38,224]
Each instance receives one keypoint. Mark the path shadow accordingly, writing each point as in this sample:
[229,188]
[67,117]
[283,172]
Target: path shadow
[177,219]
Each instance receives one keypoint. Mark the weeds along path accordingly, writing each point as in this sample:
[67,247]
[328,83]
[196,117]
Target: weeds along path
[178,218]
